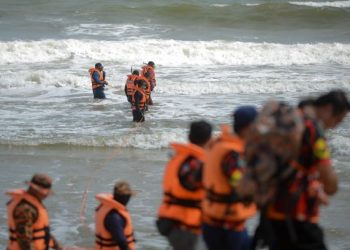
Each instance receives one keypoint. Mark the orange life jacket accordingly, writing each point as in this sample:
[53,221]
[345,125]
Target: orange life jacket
[299,202]
[130,84]
[94,84]
[218,206]
[103,237]
[148,72]
[41,229]
[298,198]
[179,203]
[148,89]
[143,100]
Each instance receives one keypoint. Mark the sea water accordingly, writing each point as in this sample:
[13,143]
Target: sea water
[210,56]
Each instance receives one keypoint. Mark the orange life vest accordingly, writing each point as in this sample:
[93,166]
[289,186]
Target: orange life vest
[299,198]
[218,206]
[130,84]
[41,230]
[100,77]
[178,203]
[301,194]
[148,89]
[103,237]
[148,72]
[143,100]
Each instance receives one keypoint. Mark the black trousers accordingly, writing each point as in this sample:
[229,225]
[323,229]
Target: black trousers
[138,116]
[307,236]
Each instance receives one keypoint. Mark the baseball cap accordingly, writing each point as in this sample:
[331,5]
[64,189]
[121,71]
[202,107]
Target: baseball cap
[244,116]
[41,182]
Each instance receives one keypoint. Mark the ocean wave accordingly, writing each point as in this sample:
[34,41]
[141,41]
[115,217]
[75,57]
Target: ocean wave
[335,4]
[156,140]
[174,52]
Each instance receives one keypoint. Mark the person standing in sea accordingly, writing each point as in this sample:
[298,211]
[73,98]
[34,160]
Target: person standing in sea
[98,82]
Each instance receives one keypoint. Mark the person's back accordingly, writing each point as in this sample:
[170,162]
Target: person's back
[149,73]
[130,84]
[138,101]
[224,214]
[179,215]
[113,225]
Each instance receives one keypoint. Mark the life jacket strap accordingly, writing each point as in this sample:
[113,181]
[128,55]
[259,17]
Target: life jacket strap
[173,200]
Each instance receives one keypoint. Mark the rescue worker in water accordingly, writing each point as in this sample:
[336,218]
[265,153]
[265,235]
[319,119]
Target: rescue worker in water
[98,82]
[149,73]
[138,101]
[28,220]
[130,84]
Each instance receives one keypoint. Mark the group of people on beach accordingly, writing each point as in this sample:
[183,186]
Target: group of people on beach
[138,87]
[274,161]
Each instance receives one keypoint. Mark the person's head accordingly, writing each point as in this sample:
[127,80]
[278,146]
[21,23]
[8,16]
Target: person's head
[122,192]
[136,72]
[151,63]
[40,186]
[200,133]
[243,118]
[99,66]
[331,108]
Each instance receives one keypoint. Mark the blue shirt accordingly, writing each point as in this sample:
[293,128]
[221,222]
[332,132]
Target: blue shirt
[96,75]
[115,224]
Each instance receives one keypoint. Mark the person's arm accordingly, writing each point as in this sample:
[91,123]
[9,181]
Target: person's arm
[327,174]
[104,78]
[115,224]
[24,217]
[95,76]
[126,90]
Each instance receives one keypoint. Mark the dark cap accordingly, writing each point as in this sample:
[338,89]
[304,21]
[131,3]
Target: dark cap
[135,72]
[99,65]
[123,188]
[151,63]
[243,116]
[42,180]
[42,183]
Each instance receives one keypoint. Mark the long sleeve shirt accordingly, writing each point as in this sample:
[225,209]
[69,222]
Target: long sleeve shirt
[95,76]
[115,224]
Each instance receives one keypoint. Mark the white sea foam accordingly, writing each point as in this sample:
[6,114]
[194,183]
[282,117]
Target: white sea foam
[155,140]
[174,53]
[124,31]
[335,4]
[219,5]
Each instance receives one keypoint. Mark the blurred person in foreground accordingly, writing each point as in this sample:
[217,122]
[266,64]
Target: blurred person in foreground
[224,212]
[28,220]
[114,229]
[179,215]
[289,164]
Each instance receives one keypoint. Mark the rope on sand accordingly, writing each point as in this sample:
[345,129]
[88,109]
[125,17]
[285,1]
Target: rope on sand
[92,177]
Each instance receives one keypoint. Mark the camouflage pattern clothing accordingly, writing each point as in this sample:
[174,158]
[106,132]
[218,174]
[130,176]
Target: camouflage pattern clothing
[25,216]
